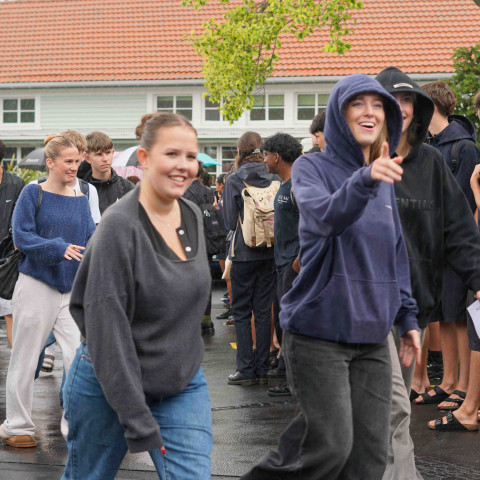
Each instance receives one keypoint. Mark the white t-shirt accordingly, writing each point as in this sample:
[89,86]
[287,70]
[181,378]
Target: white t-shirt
[92,199]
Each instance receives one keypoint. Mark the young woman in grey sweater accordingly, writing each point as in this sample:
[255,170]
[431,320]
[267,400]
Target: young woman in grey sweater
[138,299]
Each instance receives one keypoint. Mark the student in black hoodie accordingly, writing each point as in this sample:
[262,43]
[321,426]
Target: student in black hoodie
[438,227]
[110,186]
[454,137]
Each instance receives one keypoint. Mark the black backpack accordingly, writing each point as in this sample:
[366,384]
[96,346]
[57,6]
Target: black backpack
[215,234]
[84,186]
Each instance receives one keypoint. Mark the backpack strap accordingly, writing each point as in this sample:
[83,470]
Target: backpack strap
[39,200]
[84,187]
[454,156]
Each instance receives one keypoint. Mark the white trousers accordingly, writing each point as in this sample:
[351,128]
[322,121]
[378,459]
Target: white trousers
[37,310]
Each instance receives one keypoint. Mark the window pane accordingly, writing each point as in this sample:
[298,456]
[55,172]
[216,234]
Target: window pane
[26,150]
[306,100]
[212,151]
[9,117]
[27,104]
[164,103]
[10,104]
[322,101]
[275,113]
[259,100]
[10,152]
[257,114]
[275,100]
[184,102]
[27,117]
[305,113]
[186,113]
[229,153]
[210,104]
[212,115]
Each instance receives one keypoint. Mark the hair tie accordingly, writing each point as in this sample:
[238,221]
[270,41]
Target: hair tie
[257,150]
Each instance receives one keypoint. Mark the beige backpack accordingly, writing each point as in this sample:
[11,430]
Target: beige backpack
[257,226]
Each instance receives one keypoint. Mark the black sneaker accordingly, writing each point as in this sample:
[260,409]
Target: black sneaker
[277,373]
[224,315]
[262,380]
[208,328]
[281,390]
[239,379]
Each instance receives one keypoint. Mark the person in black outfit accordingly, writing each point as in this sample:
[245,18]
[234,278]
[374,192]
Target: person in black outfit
[454,137]
[99,156]
[280,151]
[253,269]
[200,194]
[10,188]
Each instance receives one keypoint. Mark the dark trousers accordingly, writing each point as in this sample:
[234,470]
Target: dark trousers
[207,316]
[252,290]
[343,392]
[283,285]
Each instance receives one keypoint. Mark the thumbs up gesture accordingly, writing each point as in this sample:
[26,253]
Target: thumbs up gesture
[386,169]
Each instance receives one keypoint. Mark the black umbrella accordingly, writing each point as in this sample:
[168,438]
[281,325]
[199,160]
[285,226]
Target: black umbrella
[35,160]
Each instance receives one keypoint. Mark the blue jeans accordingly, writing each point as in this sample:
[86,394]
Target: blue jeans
[96,442]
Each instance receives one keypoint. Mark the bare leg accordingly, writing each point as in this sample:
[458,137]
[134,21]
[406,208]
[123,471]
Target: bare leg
[435,342]
[467,413]
[420,382]
[448,335]
[9,323]
[464,360]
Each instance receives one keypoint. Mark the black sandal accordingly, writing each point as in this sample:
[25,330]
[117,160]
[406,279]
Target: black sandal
[458,401]
[413,394]
[439,397]
[453,425]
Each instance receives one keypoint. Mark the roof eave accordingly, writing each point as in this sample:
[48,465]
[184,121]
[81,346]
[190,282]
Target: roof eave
[199,82]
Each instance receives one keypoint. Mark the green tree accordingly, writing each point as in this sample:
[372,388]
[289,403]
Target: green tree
[466,81]
[240,50]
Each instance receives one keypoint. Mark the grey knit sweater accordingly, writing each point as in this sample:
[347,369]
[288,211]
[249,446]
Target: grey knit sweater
[139,314]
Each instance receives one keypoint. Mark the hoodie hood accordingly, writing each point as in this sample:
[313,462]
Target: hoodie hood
[393,81]
[341,144]
[459,128]
[255,174]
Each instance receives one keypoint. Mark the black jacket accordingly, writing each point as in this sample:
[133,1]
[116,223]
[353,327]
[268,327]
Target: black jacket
[10,189]
[437,222]
[199,193]
[108,191]
[460,129]
[256,174]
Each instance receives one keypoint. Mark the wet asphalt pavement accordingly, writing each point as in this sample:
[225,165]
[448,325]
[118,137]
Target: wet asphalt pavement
[246,424]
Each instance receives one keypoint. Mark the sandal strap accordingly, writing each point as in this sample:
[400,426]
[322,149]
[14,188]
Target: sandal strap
[460,393]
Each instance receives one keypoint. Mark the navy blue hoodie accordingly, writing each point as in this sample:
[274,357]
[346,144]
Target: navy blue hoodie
[354,280]
[460,129]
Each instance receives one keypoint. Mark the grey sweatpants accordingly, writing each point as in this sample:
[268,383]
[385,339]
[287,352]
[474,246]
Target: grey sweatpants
[400,461]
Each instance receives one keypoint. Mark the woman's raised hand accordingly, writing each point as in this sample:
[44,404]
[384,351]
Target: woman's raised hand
[73,252]
[386,169]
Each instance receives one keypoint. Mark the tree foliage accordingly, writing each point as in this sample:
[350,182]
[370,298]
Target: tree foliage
[466,81]
[240,50]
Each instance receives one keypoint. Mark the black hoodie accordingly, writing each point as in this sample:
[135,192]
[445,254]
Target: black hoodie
[437,222]
[109,191]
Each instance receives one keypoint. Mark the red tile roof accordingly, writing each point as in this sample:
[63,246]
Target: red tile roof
[117,40]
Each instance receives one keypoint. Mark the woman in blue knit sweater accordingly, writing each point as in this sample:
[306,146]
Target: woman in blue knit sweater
[51,227]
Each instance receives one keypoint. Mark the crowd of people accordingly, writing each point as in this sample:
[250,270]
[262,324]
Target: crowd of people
[348,270]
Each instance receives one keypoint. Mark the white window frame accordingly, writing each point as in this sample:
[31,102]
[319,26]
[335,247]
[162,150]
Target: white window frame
[267,109]
[19,125]
[174,108]
[205,109]
[317,107]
